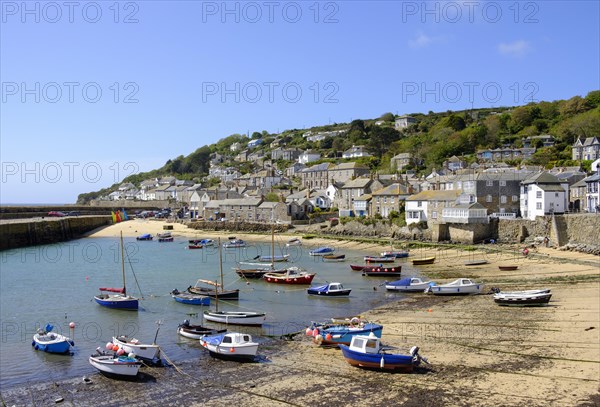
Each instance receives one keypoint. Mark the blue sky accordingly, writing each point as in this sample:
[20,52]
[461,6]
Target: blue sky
[93,91]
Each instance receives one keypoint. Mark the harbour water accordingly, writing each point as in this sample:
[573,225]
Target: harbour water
[56,284]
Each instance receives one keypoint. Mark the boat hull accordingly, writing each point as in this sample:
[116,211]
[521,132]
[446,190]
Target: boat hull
[283,279]
[225,295]
[52,343]
[319,291]
[413,288]
[321,251]
[197,331]
[237,353]
[523,298]
[117,367]
[236,318]
[403,363]
[398,255]
[191,299]
[117,302]
[508,268]
[385,259]
[142,351]
[428,260]
[464,290]
[381,271]
[356,267]
[342,334]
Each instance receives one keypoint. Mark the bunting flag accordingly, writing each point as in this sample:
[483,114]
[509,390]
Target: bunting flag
[114,217]
[125,217]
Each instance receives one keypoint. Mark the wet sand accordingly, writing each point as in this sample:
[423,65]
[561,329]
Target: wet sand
[479,353]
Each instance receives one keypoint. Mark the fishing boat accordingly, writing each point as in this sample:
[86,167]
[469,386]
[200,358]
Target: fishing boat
[231,346]
[293,275]
[409,284]
[164,235]
[195,246]
[191,299]
[202,242]
[141,350]
[523,298]
[327,334]
[461,286]
[329,290]
[367,352]
[357,267]
[379,259]
[380,271]
[294,242]
[424,260]
[508,267]
[476,262]
[146,236]
[212,289]
[276,259]
[321,251]
[234,243]
[334,257]
[46,340]
[258,270]
[166,239]
[395,253]
[236,317]
[196,331]
[115,366]
[118,299]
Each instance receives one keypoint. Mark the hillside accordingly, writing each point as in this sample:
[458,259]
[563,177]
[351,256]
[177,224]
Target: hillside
[431,140]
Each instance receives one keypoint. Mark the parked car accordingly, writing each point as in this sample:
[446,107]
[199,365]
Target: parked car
[56,214]
[73,213]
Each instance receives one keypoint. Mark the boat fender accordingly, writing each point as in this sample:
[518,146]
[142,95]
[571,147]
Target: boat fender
[132,355]
[36,347]
[232,350]
[319,339]
[315,332]
[355,322]
[72,343]
[328,337]
[382,363]
[308,332]
[109,346]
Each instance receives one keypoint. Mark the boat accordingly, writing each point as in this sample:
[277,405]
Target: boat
[236,317]
[257,270]
[234,243]
[141,350]
[329,290]
[294,242]
[202,242]
[379,259]
[119,298]
[395,253]
[191,299]
[215,288]
[230,346]
[147,236]
[196,331]
[276,259]
[46,340]
[334,257]
[195,246]
[476,262]
[321,251]
[508,267]
[409,284]
[357,267]
[164,235]
[523,298]
[113,365]
[367,352]
[380,271]
[166,239]
[327,334]
[424,260]
[293,275]
[461,286]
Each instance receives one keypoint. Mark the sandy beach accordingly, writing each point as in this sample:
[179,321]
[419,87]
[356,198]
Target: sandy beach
[479,353]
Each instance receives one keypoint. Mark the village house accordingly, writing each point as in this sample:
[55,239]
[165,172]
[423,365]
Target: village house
[294,169]
[389,199]
[465,210]
[588,149]
[356,152]
[308,157]
[399,161]
[454,164]
[270,212]
[352,190]
[593,193]
[362,206]
[315,177]
[288,154]
[427,206]
[543,194]
[403,122]
[578,197]
[347,171]
[546,140]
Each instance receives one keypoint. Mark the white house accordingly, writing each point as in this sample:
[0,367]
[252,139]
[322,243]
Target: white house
[428,205]
[592,193]
[356,152]
[403,122]
[543,194]
[308,156]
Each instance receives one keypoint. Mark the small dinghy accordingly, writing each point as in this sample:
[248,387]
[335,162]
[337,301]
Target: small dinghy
[321,251]
[510,267]
[334,257]
[379,259]
[523,298]
[146,236]
[236,317]
[196,331]
[115,366]
[231,346]
[329,334]
[424,260]
[461,286]
[189,298]
[141,350]
[51,342]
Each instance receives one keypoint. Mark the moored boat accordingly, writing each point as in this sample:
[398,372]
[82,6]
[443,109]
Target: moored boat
[409,284]
[326,334]
[476,262]
[380,271]
[334,257]
[189,298]
[424,260]
[293,275]
[196,331]
[321,251]
[231,346]
[234,243]
[357,267]
[379,259]
[215,289]
[367,352]
[146,236]
[141,350]
[329,290]
[195,246]
[294,242]
[202,242]
[51,342]
[531,298]
[166,239]
[276,258]
[236,317]
[115,366]
[508,267]
[395,253]
[461,286]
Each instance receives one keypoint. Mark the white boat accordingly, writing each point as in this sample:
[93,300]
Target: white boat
[234,243]
[461,286]
[231,346]
[112,365]
[523,298]
[141,350]
[294,242]
[236,317]
[409,284]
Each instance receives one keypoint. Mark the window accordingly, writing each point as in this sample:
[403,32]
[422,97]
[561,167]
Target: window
[489,183]
[488,198]
[434,215]
[538,194]
[515,198]
[503,199]
[391,199]
[502,183]
[419,203]
[556,194]
[385,199]
[538,205]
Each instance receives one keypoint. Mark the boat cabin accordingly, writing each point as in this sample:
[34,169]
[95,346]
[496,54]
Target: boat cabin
[236,338]
[365,344]
[335,287]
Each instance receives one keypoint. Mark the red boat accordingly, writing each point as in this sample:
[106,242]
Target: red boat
[292,276]
[378,271]
[195,246]
[356,267]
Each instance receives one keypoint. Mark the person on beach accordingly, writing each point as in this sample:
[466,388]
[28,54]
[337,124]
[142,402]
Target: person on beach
[525,252]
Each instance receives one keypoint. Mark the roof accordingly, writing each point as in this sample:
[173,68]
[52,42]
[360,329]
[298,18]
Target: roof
[349,166]
[592,178]
[542,178]
[243,201]
[317,167]
[474,205]
[357,183]
[551,188]
[394,189]
[268,205]
[364,197]
[435,195]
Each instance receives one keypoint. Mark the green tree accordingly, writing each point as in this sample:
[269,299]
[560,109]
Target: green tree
[380,138]
[388,117]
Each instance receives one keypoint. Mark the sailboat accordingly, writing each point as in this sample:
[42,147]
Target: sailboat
[117,298]
[258,270]
[215,289]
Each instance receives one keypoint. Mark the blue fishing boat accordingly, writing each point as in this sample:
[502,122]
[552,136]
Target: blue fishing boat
[327,334]
[51,342]
[147,236]
[321,251]
[367,352]
[329,290]
[189,298]
[395,254]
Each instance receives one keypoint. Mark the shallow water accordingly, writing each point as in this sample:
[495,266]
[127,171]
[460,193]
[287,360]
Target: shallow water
[56,283]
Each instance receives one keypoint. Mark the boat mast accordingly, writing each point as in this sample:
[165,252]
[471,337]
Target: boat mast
[220,266]
[123,263]
[272,246]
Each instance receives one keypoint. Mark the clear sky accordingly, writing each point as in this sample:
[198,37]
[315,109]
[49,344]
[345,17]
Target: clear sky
[93,91]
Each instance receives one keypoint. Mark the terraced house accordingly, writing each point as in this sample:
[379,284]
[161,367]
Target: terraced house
[389,199]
